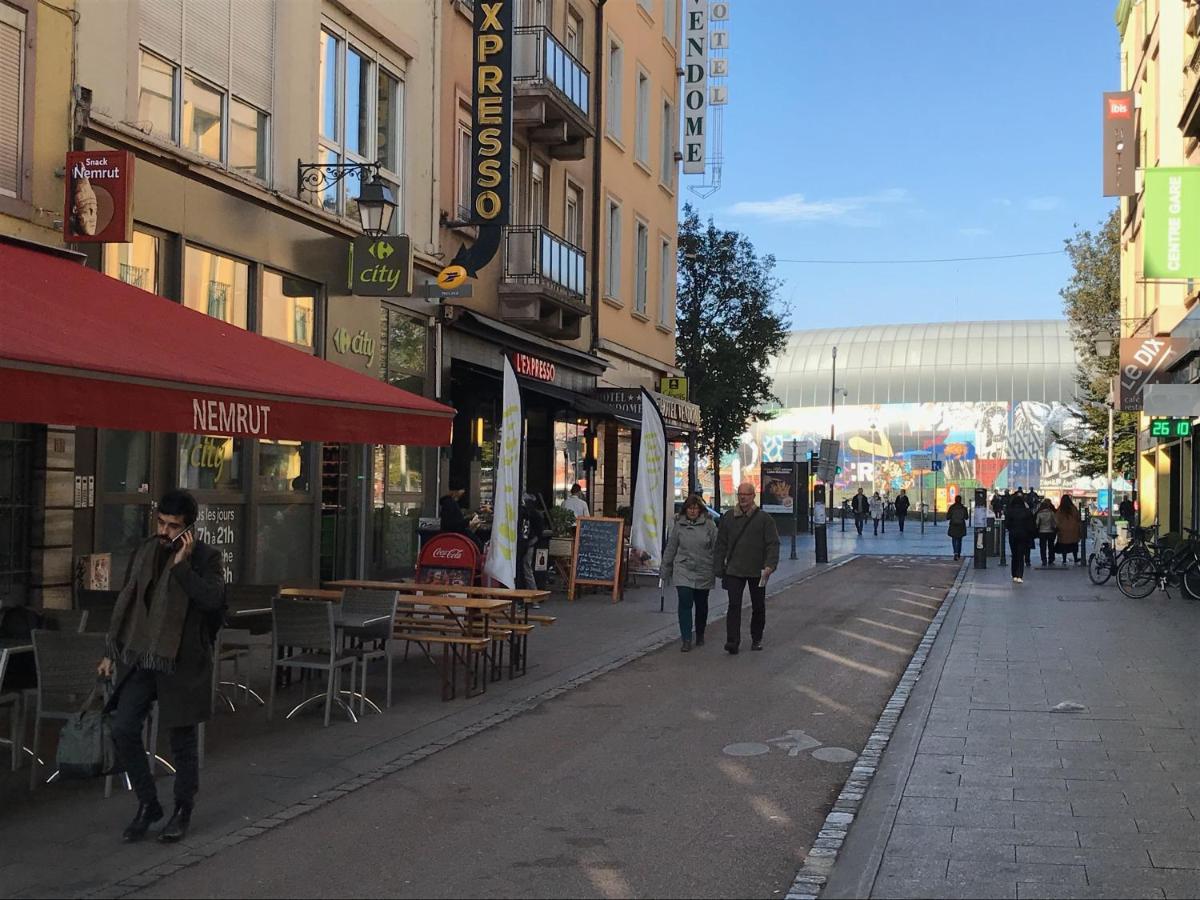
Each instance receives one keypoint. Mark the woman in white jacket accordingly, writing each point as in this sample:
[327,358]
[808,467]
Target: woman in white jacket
[876,510]
[688,563]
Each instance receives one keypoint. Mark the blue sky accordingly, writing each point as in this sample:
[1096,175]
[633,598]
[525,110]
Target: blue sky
[885,130]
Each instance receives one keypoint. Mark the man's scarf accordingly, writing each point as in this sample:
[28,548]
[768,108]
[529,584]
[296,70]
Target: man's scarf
[148,638]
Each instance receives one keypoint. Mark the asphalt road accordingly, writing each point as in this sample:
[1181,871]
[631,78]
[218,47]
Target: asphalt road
[679,775]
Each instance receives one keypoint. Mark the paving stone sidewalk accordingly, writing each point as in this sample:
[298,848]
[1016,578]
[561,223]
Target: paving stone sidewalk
[987,791]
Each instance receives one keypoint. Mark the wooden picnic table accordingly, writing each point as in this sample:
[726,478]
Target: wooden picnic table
[312,594]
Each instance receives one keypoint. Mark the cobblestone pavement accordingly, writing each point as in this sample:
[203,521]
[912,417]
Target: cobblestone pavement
[1049,751]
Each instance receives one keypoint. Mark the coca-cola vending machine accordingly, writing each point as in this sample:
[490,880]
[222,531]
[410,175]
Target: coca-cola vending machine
[449,559]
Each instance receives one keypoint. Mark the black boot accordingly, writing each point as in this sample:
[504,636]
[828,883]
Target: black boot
[147,815]
[756,645]
[686,646]
[177,827]
[699,638]
[731,648]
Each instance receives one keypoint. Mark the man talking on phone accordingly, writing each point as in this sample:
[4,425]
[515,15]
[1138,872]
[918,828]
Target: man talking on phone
[161,643]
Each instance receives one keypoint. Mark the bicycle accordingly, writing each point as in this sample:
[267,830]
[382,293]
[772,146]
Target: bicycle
[1163,566]
[1103,564]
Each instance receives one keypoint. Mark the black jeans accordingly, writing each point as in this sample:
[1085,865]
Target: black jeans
[735,587]
[1046,546]
[1020,548]
[137,694]
[858,521]
[956,542]
[900,517]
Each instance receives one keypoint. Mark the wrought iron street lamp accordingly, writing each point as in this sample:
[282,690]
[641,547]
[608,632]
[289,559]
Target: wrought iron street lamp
[376,203]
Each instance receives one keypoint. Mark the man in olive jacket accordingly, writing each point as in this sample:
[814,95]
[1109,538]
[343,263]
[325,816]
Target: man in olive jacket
[161,645]
[746,554]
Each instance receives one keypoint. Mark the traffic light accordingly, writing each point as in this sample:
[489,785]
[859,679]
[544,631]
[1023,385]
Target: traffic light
[838,470]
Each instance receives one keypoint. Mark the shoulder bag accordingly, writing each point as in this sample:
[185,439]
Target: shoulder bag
[85,745]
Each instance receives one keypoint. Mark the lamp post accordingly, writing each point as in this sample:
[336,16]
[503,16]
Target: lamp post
[376,203]
[1104,347]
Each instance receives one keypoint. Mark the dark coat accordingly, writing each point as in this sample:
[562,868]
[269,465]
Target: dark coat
[745,555]
[860,504]
[185,695]
[957,515]
[902,505]
[452,516]
[1020,522]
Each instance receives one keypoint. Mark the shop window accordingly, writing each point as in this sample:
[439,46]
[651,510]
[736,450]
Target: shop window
[283,466]
[398,480]
[16,511]
[404,359]
[282,542]
[570,451]
[123,527]
[125,462]
[288,310]
[216,285]
[210,463]
[222,527]
[362,119]
[134,263]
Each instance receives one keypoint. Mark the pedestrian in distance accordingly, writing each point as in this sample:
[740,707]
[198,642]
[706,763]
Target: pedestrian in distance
[1126,510]
[450,512]
[875,504]
[1069,529]
[957,516]
[902,504]
[160,645]
[746,554]
[1046,526]
[997,505]
[529,528]
[575,502]
[688,564]
[861,507]
[1004,501]
[1022,528]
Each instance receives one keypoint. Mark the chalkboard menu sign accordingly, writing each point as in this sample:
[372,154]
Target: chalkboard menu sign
[597,553]
[220,526]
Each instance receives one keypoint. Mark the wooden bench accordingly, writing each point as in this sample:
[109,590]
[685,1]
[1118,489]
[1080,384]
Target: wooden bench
[458,646]
[500,632]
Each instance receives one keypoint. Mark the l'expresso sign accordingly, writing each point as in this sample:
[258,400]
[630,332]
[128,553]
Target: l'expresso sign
[492,103]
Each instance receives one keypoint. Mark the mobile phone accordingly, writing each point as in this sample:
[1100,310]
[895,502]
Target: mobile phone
[178,539]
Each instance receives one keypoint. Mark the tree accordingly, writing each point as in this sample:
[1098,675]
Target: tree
[727,332]
[1092,302]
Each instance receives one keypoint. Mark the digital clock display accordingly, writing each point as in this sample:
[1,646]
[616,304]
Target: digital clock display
[1170,428]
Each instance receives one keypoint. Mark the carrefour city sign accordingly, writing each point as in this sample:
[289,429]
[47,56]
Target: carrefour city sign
[382,266]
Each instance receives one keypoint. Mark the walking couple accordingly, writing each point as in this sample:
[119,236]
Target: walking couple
[743,552]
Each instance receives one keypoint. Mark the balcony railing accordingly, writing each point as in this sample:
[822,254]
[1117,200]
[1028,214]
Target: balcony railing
[535,256]
[539,58]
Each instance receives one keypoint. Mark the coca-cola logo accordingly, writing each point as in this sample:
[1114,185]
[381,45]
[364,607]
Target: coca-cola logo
[447,553]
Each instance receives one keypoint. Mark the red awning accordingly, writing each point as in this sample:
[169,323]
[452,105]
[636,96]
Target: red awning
[80,348]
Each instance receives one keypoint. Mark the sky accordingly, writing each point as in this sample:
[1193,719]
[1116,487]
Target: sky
[914,130]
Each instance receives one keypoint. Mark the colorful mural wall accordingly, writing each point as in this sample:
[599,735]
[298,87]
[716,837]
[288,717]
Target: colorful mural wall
[993,445]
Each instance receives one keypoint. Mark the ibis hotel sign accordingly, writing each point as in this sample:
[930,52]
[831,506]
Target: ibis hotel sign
[491,104]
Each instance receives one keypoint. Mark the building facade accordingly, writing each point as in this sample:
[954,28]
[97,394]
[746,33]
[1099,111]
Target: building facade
[986,399]
[1160,65]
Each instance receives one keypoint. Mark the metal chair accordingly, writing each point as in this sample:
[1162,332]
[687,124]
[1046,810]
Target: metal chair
[71,620]
[66,668]
[308,626]
[16,723]
[370,603]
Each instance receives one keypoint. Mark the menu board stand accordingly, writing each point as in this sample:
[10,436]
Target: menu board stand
[596,555]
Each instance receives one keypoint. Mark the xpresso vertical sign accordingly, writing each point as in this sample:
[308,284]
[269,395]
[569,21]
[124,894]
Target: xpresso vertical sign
[695,86]
[492,108]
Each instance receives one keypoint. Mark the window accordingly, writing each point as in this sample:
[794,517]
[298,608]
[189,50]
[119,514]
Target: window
[615,61]
[15,83]
[206,77]
[645,6]
[667,175]
[134,263]
[666,285]
[404,352]
[203,116]
[530,13]
[573,220]
[361,114]
[515,191]
[641,140]
[612,272]
[156,96]
[643,263]
[462,184]
[537,193]
[670,20]
[216,285]
[574,34]
[288,311]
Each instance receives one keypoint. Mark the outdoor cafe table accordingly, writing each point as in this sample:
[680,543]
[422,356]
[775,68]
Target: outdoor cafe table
[521,597]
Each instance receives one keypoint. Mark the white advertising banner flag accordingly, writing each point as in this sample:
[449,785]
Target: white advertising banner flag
[501,562]
[695,86]
[646,535]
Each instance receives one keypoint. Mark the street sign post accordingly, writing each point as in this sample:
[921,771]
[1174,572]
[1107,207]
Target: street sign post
[921,462]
